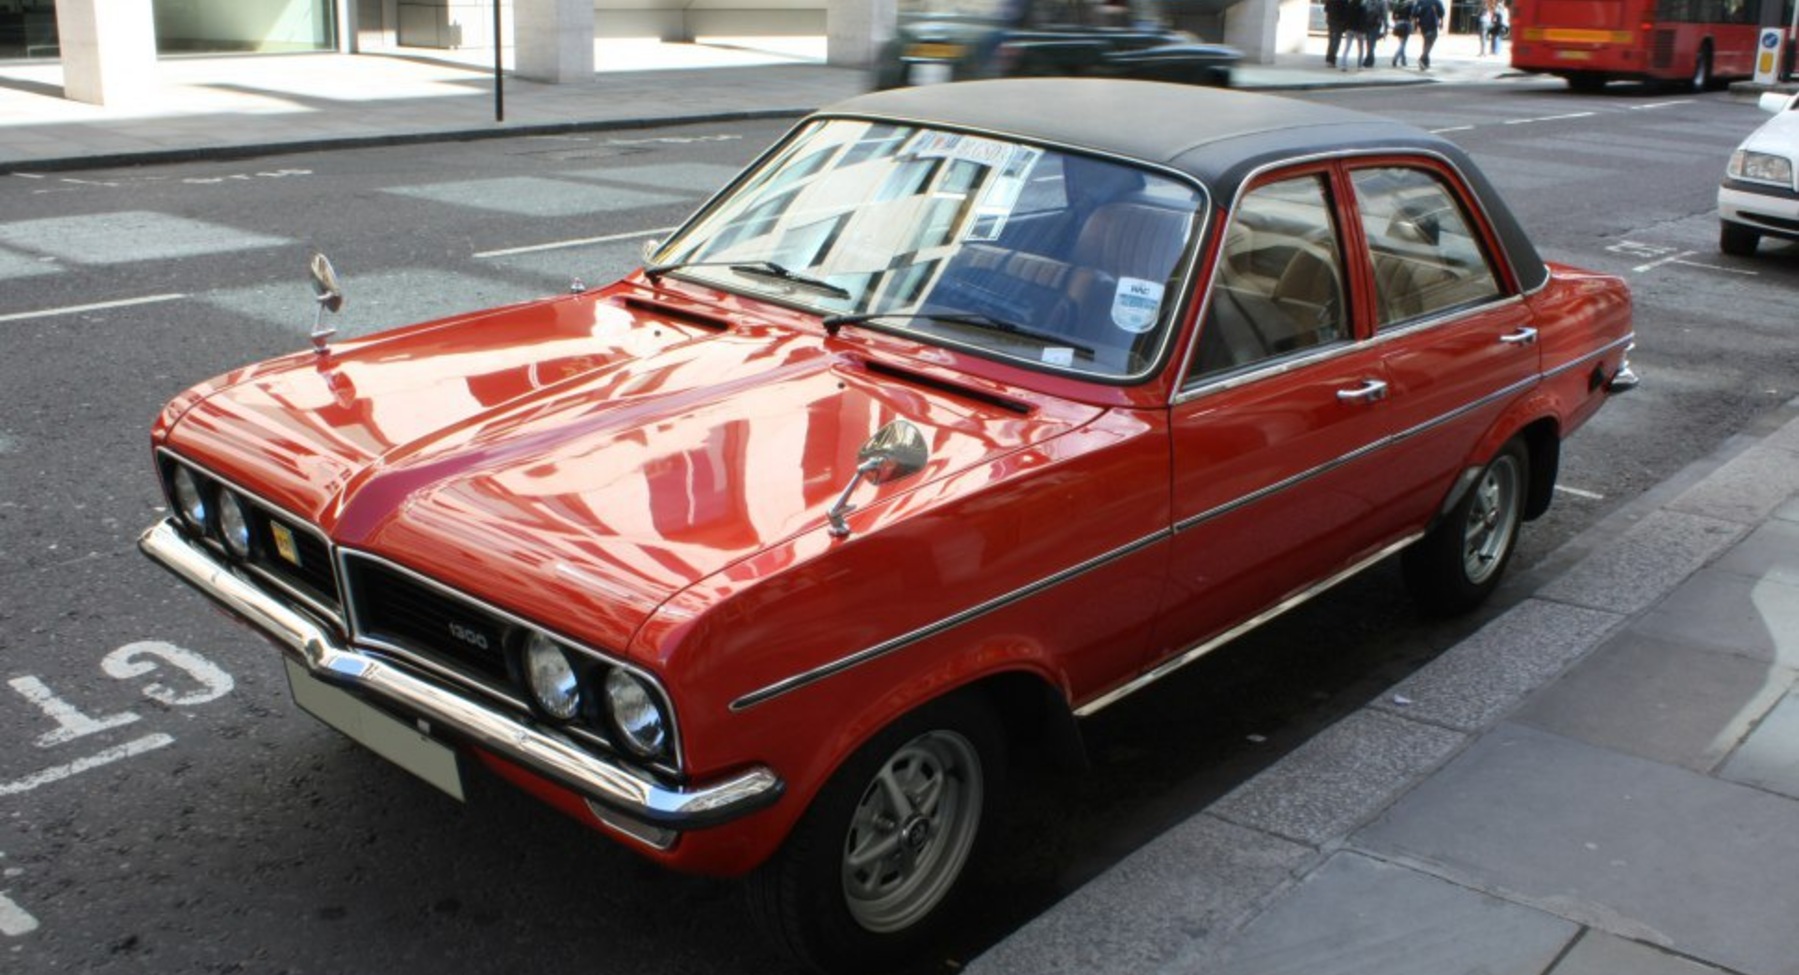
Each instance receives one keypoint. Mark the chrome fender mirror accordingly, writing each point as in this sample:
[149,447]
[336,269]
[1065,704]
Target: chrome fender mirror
[330,297]
[896,450]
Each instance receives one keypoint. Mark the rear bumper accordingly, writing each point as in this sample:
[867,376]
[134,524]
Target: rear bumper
[325,656]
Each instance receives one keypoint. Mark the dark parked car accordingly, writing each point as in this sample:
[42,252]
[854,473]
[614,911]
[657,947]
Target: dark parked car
[957,40]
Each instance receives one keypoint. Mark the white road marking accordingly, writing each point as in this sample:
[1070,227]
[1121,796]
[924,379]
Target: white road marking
[1577,492]
[57,773]
[1453,128]
[1548,118]
[559,244]
[14,922]
[71,723]
[78,309]
[1644,108]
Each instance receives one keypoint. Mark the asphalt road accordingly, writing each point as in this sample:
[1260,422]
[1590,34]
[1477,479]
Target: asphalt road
[163,807]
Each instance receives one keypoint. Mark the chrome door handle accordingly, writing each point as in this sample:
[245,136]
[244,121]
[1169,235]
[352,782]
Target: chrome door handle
[1523,336]
[1370,391]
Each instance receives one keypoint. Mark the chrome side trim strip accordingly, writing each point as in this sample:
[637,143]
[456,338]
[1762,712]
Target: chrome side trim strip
[841,664]
[595,777]
[1199,650]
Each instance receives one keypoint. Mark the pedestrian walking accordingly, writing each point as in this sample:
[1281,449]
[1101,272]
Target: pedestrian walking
[1374,25]
[1402,31]
[1427,19]
[1336,20]
[1355,40]
[1496,19]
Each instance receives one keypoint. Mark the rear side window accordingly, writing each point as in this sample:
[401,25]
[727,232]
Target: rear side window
[1425,256]
[1279,287]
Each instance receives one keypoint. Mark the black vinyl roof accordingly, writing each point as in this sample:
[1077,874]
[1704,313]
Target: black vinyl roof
[1217,136]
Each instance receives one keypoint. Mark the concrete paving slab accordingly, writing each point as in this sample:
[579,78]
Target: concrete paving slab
[1732,613]
[1339,778]
[1192,883]
[1638,849]
[1660,700]
[1360,916]
[1769,758]
[1654,556]
[1747,488]
[1771,553]
[1602,954]
[1479,680]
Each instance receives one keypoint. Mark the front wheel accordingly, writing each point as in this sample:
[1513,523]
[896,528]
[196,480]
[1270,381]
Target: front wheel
[862,883]
[1459,562]
[1737,240]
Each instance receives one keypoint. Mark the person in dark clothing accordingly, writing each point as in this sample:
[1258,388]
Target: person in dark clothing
[1336,20]
[1402,30]
[1374,24]
[1427,17]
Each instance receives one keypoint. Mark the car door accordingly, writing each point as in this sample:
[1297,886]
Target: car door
[1455,338]
[1276,479]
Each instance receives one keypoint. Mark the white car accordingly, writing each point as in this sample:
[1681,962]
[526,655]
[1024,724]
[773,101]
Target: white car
[1759,196]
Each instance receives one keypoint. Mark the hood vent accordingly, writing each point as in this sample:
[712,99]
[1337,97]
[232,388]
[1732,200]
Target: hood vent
[717,323]
[1006,403]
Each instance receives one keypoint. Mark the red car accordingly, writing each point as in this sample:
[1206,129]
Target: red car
[962,414]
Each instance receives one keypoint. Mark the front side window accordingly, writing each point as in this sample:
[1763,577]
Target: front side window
[1279,285]
[1425,256]
[1011,250]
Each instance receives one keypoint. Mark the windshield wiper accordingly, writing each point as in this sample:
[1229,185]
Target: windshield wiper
[834,322]
[766,268]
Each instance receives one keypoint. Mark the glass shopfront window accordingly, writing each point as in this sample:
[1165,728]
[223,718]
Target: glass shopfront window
[28,27]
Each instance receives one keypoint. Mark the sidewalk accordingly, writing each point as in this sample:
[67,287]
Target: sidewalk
[213,107]
[1602,781]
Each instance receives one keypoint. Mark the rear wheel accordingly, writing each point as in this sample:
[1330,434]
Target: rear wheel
[1586,82]
[1702,69]
[1737,240]
[863,882]
[1459,563]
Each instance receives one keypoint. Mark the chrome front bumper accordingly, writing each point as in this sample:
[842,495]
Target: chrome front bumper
[596,777]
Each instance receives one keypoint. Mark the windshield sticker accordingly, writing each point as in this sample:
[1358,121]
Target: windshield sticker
[1058,355]
[1135,305]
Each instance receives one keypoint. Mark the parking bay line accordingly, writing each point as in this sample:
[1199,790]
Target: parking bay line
[581,242]
[78,309]
[59,772]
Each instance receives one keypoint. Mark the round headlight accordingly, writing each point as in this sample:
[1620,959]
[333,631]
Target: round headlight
[190,501]
[234,524]
[551,678]
[635,714]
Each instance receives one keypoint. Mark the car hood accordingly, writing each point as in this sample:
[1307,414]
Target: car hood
[1779,134]
[593,452]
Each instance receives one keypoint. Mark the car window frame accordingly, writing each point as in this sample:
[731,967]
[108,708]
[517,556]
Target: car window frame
[1358,272]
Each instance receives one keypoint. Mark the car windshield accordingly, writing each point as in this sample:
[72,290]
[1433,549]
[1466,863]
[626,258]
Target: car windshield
[994,10]
[1012,250]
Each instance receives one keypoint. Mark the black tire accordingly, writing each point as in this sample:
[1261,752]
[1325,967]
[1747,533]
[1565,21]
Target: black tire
[1737,240]
[1586,82]
[918,801]
[1702,70]
[1460,561]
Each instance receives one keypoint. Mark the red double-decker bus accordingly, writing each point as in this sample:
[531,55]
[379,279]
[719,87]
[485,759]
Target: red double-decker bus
[1591,42]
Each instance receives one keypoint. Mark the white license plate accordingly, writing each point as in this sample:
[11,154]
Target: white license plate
[930,73]
[387,737]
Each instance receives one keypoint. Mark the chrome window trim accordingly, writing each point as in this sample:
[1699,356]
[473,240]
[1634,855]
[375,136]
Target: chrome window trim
[358,637]
[1186,387]
[1185,269]
[332,614]
[904,640]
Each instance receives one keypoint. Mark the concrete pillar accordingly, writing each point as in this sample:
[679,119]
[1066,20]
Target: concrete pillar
[1251,27]
[856,29]
[552,40]
[108,50]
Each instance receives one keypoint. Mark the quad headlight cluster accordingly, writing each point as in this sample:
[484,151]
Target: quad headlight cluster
[567,686]
[213,511]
